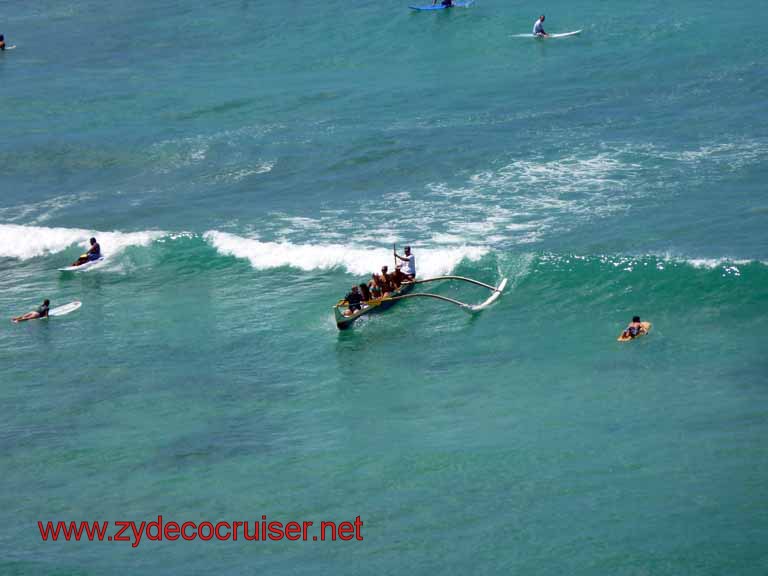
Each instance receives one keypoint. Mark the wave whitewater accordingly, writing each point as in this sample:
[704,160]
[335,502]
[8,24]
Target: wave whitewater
[27,242]
[265,255]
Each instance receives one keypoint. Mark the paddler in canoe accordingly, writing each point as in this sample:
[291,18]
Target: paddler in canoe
[408,266]
[354,301]
[374,286]
[387,282]
[385,289]
[383,285]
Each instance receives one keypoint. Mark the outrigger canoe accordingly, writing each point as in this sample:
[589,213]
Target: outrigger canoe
[343,322]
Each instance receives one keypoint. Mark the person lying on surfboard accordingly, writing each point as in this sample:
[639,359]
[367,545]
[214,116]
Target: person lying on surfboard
[94,253]
[40,312]
[538,27]
[634,329]
[446,3]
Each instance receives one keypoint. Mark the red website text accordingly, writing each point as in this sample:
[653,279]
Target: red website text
[157,530]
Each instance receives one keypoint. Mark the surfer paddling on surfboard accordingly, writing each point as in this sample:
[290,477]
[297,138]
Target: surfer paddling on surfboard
[446,3]
[40,312]
[634,330]
[3,45]
[538,27]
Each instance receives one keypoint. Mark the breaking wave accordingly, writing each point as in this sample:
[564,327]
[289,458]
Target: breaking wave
[357,260]
[25,242]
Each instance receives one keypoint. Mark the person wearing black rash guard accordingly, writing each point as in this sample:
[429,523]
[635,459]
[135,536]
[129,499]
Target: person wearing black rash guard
[354,301]
[40,312]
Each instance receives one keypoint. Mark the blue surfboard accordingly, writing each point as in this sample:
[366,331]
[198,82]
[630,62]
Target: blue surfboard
[441,7]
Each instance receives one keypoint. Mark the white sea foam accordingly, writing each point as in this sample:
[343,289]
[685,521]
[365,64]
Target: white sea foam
[233,174]
[187,151]
[38,212]
[704,262]
[357,260]
[712,263]
[734,154]
[729,266]
[564,175]
[24,242]
[519,201]
[516,203]
[302,223]
[443,238]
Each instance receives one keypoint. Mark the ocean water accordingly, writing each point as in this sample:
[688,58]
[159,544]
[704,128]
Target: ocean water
[243,163]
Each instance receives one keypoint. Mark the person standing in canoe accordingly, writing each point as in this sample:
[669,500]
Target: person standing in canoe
[408,267]
[538,27]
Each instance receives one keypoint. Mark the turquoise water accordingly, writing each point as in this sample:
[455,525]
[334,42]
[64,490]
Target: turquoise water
[243,163]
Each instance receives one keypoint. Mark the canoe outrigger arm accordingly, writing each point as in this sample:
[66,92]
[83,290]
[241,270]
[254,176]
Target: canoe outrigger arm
[344,319]
[464,278]
[497,290]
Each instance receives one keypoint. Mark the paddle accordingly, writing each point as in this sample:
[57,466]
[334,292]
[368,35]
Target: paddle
[394,255]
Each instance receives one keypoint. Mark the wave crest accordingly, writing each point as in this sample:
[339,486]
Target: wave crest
[25,242]
[363,260]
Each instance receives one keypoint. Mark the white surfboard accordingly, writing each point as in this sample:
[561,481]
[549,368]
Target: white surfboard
[10,47]
[89,264]
[561,35]
[65,309]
